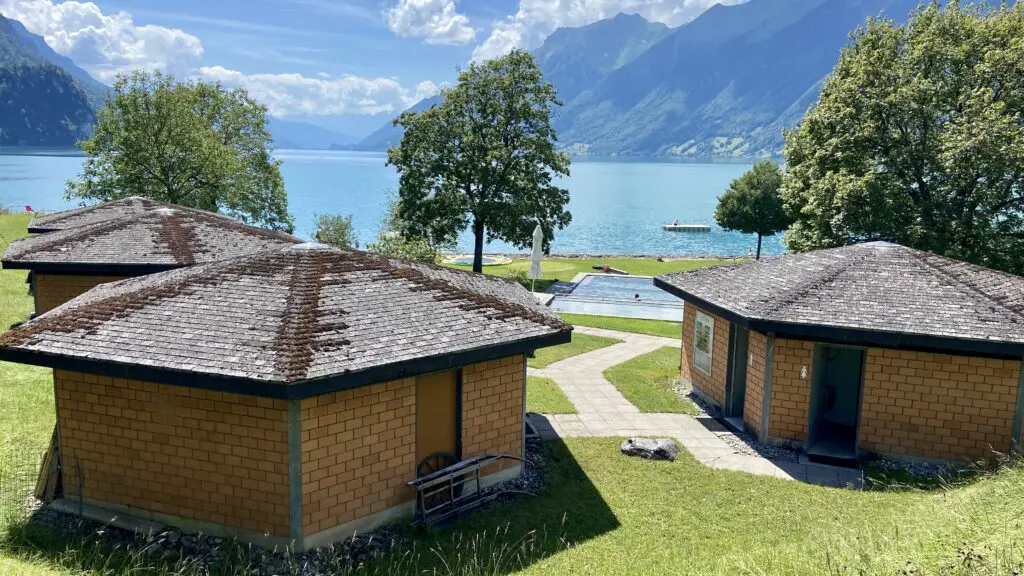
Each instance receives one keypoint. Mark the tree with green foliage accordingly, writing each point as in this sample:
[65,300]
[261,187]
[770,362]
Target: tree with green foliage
[752,203]
[917,139]
[484,158]
[335,230]
[393,242]
[193,143]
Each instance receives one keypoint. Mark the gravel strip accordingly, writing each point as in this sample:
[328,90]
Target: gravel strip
[741,443]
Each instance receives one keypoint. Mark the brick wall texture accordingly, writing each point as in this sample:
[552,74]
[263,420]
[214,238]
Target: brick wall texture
[791,395]
[492,408]
[359,446]
[223,458]
[197,454]
[753,400]
[358,451]
[937,406]
[713,385]
[52,290]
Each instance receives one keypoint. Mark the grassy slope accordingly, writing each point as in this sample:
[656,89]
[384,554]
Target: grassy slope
[664,328]
[646,381]
[545,397]
[26,397]
[580,343]
[636,517]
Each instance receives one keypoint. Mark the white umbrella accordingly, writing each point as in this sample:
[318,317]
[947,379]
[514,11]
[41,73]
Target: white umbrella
[538,253]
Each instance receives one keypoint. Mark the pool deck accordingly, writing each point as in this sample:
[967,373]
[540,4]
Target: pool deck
[564,300]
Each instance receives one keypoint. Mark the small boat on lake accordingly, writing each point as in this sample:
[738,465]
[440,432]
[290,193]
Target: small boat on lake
[686,227]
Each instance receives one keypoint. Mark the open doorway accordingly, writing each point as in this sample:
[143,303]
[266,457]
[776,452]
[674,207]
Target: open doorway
[835,402]
[736,376]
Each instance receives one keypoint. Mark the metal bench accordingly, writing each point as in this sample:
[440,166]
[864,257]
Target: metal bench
[454,489]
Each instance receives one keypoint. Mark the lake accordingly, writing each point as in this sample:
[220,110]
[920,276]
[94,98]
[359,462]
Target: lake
[617,207]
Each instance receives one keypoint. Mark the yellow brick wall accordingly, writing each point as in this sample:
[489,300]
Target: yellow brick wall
[791,395]
[937,406]
[712,385]
[757,347]
[196,454]
[492,408]
[359,446]
[358,451]
[52,290]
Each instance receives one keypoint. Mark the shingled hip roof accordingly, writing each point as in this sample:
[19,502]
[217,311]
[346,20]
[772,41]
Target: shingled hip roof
[94,214]
[291,322]
[876,292]
[152,240]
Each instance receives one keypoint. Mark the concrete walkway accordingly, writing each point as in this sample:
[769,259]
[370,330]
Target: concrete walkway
[603,411]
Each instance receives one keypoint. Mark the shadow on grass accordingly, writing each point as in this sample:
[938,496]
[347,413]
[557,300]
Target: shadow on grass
[511,535]
[505,537]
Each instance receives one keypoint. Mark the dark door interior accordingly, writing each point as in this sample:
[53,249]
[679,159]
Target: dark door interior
[835,402]
[736,374]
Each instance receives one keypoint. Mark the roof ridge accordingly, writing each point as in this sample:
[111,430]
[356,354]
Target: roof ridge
[57,217]
[295,341]
[924,258]
[786,297]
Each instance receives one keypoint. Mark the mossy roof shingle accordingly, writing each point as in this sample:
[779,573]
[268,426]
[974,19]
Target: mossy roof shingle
[298,314]
[93,214]
[875,286]
[154,239]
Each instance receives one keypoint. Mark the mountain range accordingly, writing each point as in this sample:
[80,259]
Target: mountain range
[724,85]
[41,102]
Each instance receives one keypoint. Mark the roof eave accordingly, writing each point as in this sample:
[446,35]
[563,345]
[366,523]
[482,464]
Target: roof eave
[87,268]
[281,390]
[854,336]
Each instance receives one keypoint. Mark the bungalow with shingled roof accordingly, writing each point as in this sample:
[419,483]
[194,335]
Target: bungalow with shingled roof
[870,349]
[286,397]
[125,238]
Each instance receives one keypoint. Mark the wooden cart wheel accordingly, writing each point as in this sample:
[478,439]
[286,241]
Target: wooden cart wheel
[434,462]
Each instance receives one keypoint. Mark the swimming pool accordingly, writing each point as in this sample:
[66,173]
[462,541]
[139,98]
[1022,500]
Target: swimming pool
[625,296]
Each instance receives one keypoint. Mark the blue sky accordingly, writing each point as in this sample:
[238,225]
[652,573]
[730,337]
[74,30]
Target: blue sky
[345,64]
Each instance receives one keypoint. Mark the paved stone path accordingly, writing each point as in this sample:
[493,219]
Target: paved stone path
[603,411]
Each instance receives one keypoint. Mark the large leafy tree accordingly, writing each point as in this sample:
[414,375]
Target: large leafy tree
[752,203]
[196,144]
[485,158]
[918,138]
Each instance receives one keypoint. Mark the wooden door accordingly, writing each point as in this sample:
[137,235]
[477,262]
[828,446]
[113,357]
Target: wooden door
[437,417]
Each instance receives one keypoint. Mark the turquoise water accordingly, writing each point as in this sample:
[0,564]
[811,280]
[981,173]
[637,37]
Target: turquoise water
[617,207]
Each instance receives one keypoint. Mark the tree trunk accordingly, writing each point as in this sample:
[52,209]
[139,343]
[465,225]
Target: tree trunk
[478,245]
[758,247]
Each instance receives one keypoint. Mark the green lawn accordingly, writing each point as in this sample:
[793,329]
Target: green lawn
[603,513]
[646,381]
[580,343]
[545,397]
[564,269]
[664,328]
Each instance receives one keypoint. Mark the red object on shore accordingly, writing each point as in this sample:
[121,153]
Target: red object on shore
[28,208]
[606,268]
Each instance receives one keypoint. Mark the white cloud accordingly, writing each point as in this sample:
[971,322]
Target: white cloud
[436,21]
[104,44]
[536,19]
[290,94]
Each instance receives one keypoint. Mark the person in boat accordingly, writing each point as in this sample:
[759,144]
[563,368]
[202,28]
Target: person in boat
[675,222]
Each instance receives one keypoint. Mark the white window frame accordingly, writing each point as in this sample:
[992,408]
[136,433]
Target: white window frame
[700,357]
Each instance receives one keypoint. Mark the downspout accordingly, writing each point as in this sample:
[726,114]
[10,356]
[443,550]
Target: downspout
[766,400]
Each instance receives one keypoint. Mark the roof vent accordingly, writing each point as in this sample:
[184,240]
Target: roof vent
[309,246]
